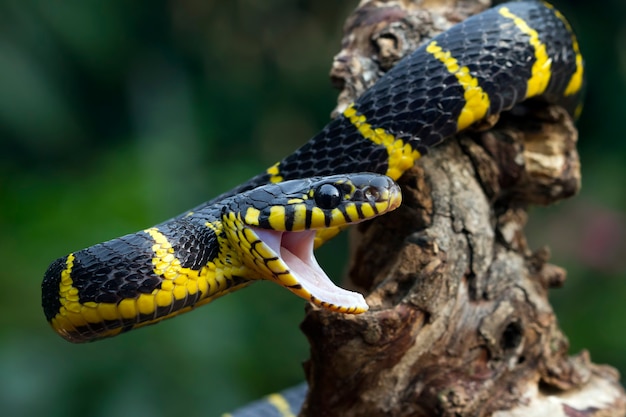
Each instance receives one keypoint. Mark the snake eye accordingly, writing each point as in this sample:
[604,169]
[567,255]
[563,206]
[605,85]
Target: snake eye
[327,196]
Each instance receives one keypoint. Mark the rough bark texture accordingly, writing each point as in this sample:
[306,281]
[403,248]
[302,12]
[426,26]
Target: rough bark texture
[460,323]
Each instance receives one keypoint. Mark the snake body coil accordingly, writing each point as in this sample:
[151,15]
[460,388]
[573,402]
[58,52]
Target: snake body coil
[265,228]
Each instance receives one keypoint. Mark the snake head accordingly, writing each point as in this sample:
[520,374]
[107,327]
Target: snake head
[280,225]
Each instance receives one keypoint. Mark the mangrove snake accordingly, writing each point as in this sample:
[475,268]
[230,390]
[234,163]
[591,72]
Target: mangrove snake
[267,227]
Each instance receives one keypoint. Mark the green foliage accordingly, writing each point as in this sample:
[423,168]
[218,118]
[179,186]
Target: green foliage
[117,115]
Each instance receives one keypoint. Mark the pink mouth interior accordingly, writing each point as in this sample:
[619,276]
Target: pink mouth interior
[295,249]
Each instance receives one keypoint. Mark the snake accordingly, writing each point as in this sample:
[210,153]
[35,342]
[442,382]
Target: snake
[267,227]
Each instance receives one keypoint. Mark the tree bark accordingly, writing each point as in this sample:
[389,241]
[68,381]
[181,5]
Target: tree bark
[460,322]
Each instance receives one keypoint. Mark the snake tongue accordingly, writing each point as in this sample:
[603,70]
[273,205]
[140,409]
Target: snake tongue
[302,275]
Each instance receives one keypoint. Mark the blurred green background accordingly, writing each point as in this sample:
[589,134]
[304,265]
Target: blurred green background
[117,115]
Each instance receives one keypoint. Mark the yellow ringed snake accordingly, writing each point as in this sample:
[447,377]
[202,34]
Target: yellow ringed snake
[267,227]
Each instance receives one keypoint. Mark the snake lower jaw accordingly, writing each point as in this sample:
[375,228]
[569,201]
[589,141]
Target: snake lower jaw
[294,266]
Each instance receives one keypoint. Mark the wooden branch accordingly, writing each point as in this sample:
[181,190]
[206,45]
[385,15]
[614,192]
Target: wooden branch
[460,322]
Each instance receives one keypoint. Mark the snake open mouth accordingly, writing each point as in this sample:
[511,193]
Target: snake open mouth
[297,269]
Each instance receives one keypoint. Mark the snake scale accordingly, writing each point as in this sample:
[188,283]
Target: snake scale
[267,227]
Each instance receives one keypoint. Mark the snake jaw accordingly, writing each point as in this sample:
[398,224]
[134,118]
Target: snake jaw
[292,264]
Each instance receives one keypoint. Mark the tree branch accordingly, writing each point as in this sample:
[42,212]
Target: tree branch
[460,323]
